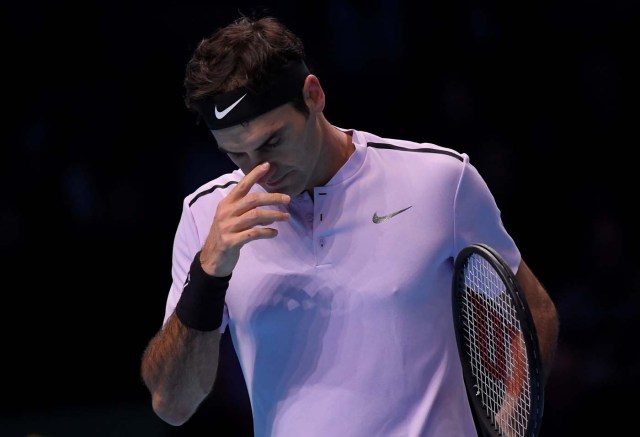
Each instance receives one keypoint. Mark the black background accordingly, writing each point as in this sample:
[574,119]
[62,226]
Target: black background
[99,150]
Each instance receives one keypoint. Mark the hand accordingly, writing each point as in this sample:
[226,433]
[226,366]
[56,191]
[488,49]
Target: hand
[236,220]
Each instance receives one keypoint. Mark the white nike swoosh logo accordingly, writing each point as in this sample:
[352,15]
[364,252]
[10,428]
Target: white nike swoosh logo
[221,114]
[379,219]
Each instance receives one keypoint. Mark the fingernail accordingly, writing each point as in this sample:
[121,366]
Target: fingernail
[264,164]
[286,198]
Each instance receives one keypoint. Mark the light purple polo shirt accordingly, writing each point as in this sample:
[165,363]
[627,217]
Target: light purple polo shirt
[343,326]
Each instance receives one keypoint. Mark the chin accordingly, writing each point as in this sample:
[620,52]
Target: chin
[283,189]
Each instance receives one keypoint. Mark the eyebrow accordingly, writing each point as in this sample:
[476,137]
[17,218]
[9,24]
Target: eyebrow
[264,143]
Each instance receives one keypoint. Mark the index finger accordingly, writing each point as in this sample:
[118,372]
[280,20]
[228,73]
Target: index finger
[245,184]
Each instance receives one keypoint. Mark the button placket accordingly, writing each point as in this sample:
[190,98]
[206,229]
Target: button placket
[321,239]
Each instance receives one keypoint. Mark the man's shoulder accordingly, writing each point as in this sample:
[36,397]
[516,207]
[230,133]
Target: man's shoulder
[215,189]
[409,148]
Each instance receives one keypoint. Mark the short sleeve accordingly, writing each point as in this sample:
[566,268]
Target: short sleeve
[478,219]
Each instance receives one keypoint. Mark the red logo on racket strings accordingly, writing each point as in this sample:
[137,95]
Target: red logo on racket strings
[494,342]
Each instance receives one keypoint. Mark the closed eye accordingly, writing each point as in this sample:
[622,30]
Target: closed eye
[271,143]
[269,146]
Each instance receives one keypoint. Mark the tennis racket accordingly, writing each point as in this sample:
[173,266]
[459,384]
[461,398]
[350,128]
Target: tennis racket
[498,345]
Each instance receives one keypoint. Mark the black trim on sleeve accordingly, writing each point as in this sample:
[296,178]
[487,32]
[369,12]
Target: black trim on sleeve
[422,150]
[210,190]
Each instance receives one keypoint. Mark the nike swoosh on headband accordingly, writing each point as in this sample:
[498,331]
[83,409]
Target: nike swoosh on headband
[379,219]
[221,114]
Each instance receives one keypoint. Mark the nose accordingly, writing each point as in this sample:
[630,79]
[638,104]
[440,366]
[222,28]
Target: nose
[252,159]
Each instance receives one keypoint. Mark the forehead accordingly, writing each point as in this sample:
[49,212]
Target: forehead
[249,135]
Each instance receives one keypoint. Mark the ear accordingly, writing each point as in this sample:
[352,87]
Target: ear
[313,94]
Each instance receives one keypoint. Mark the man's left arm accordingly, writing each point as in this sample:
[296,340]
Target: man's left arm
[544,313]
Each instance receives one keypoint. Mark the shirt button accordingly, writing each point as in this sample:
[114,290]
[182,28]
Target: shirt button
[321,241]
[309,217]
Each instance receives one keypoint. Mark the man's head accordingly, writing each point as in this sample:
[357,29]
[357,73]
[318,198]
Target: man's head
[248,81]
[253,65]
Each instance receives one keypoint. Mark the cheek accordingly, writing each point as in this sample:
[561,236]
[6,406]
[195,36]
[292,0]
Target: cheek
[236,160]
[242,163]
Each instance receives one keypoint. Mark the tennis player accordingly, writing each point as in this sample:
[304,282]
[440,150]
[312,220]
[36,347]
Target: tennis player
[328,255]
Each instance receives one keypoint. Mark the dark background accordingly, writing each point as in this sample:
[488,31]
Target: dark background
[99,150]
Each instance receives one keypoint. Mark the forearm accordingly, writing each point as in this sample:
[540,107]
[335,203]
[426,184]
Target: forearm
[179,368]
[546,323]
[544,314]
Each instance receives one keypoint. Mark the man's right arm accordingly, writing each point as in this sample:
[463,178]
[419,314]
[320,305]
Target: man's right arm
[179,368]
[180,362]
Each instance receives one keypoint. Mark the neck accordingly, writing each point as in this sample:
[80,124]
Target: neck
[336,149]
[340,147]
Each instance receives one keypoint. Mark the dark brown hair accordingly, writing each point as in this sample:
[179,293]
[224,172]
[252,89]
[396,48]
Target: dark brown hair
[247,52]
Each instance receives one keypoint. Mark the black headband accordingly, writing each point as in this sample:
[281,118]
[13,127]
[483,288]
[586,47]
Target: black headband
[234,107]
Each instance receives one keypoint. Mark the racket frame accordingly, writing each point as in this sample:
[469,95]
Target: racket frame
[485,424]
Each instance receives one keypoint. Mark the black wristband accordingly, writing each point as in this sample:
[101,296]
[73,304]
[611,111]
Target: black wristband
[201,304]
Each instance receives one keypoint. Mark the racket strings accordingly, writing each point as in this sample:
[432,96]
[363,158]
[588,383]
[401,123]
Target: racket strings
[493,340]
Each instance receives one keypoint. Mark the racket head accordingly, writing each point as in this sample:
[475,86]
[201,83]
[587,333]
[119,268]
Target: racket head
[498,345]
